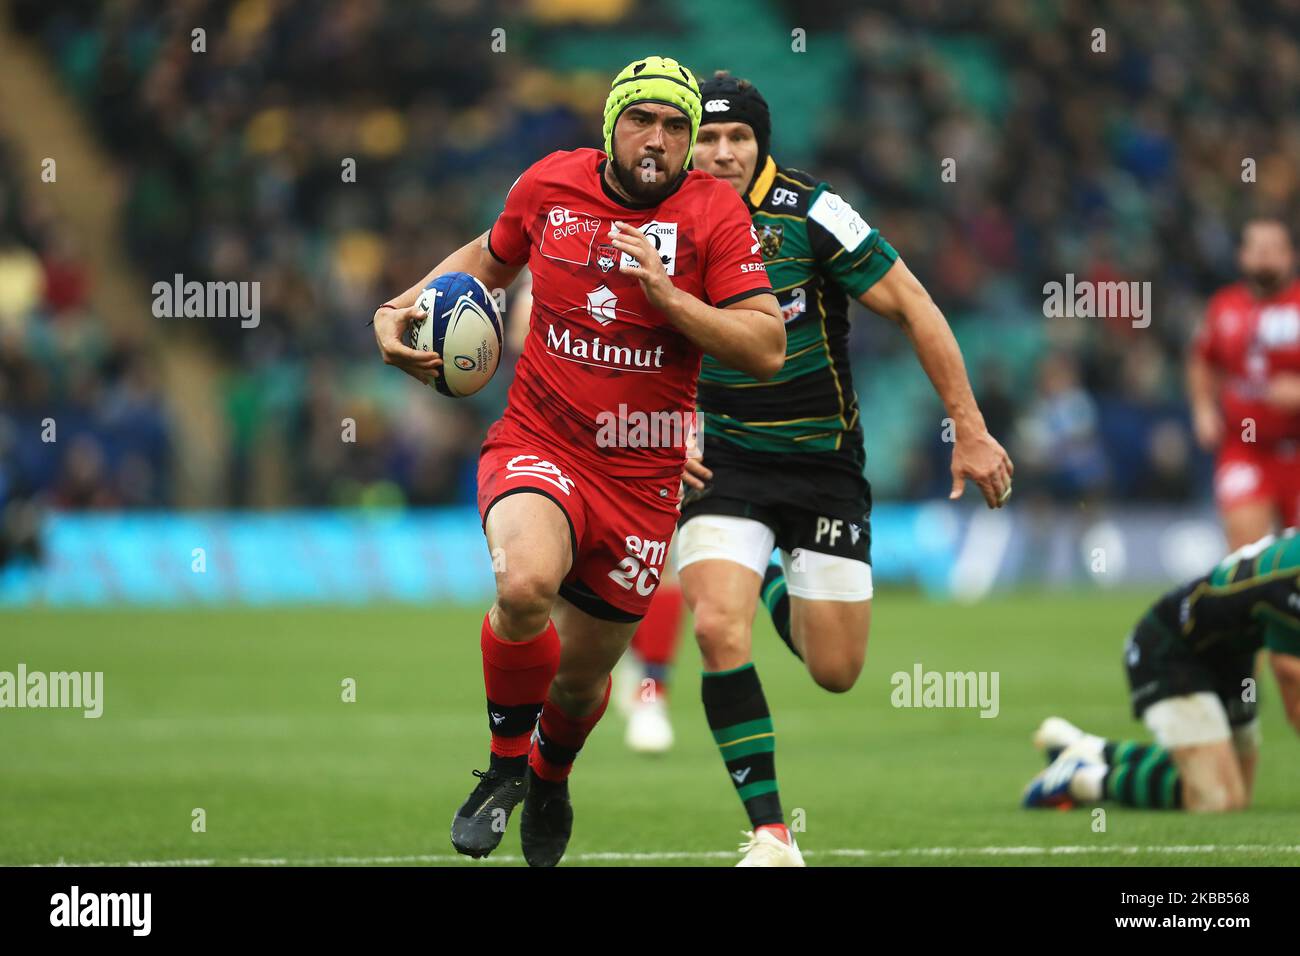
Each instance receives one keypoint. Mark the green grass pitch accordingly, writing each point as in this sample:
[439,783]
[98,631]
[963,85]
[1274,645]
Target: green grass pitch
[240,713]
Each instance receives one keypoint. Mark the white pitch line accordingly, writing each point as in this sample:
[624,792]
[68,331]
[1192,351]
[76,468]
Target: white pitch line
[613,857]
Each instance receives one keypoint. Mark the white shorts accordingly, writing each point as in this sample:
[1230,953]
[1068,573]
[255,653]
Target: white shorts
[810,575]
[1188,721]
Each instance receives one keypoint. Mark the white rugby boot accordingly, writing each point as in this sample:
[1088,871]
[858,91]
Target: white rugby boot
[1074,777]
[649,731]
[1055,734]
[764,848]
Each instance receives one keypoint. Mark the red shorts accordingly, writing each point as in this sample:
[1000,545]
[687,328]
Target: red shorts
[1248,473]
[620,527]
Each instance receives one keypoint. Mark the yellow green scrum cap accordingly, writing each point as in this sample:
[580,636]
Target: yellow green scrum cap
[655,79]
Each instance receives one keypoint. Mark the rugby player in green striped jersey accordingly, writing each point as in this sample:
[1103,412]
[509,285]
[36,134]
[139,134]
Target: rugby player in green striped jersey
[1191,675]
[783,461]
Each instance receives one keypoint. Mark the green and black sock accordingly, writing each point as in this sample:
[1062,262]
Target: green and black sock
[1141,775]
[778,604]
[742,726]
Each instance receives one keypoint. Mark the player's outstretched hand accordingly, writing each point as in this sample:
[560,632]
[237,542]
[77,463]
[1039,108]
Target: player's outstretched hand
[390,326]
[980,458]
[658,288]
[696,475]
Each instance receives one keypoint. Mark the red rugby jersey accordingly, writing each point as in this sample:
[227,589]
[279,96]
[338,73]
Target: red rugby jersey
[595,347]
[1248,341]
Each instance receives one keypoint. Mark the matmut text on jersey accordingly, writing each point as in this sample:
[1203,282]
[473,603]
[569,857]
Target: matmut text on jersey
[596,350]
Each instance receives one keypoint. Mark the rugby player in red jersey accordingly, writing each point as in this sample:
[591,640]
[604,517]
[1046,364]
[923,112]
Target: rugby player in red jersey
[639,267]
[1243,380]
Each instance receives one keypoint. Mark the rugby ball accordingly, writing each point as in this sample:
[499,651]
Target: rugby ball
[463,325]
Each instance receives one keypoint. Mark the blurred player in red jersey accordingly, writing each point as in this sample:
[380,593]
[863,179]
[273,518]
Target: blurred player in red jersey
[1243,380]
[642,680]
[639,267]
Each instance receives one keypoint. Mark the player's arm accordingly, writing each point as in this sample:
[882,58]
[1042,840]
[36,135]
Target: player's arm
[1286,668]
[748,335]
[392,318]
[1202,395]
[900,297]
[1203,383]
[475,258]
[519,312]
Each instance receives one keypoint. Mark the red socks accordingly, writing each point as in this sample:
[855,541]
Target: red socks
[560,737]
[517,675]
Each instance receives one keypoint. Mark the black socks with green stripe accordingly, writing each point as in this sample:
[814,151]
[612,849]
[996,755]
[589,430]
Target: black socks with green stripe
[742,726]
[1141,775]
[778,604]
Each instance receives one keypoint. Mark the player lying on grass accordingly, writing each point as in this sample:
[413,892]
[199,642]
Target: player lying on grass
[638,268]
[783,459]
[1191,671]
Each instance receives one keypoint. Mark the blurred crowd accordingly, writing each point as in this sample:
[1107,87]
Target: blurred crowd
[1107,140]
[334,150]
[81,421]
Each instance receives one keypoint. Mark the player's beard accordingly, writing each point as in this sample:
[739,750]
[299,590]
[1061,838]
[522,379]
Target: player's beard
[653,192]
[1266,281]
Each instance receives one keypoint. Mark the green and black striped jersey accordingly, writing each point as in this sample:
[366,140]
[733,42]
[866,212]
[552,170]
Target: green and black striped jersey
[1250,600]
[818,251]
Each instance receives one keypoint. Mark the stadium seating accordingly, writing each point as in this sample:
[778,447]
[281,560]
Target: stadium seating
[228,171]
